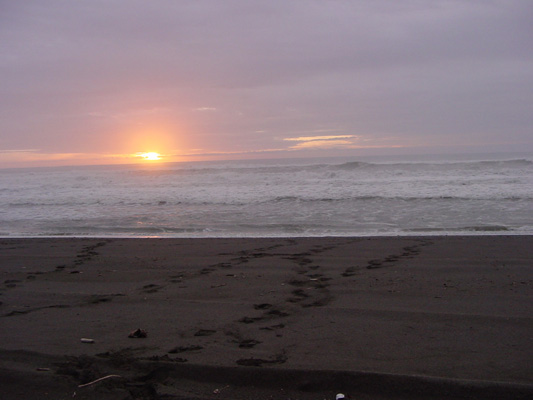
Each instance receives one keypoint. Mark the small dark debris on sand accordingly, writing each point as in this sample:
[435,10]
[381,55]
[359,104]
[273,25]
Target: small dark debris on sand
[138,334]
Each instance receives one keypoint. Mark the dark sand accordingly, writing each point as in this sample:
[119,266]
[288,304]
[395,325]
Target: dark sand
[304,318]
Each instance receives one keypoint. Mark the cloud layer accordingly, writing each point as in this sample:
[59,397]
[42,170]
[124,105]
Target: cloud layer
[242,76]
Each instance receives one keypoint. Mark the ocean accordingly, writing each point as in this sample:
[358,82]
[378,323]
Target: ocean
[355,196]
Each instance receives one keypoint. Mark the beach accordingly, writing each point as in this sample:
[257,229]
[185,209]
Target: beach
[434,317]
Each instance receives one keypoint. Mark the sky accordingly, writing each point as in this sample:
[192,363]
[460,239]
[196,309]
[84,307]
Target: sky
[101,81]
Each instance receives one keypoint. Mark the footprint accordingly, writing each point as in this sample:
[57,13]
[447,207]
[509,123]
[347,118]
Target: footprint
[182,349]
[102,298]
[205,332]
[206,271]
[299,295]
[248,343]
[373,264]
[250,320]
[262,306]
[297,282]
[11,283]
[222,265]
[259,362]
[176,278]
[166,358]
[95,299]
[277,313]
[151,288]
[350,271]
[273,327]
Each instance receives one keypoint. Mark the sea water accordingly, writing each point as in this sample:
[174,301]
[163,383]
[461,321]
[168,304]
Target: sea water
[266,198]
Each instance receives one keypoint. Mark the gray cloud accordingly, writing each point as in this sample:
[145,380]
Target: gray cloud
[426,73]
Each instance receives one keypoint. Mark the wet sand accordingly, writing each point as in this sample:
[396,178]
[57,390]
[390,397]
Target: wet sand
[281,318]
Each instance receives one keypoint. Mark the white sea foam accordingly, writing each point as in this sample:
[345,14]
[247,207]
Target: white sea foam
[313,197]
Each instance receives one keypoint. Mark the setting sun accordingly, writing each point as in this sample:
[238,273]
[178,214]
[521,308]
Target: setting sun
[151,156]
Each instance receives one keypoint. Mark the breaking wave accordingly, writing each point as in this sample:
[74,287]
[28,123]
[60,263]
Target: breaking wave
[272,197]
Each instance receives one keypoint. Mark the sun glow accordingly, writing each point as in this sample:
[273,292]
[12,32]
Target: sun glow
[150,156]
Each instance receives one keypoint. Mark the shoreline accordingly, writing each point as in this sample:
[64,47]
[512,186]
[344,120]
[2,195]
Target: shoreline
[451,234]
[393,315]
